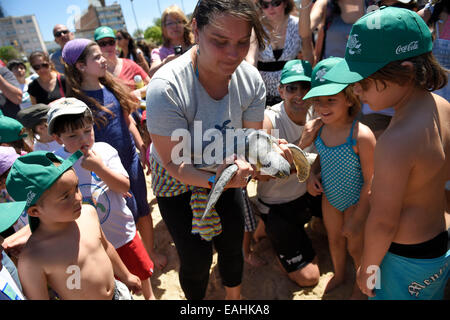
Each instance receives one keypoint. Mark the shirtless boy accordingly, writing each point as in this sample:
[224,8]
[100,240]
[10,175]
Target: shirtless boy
[67,249]
[405,233]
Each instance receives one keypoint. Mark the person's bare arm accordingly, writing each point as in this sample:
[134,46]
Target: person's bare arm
[366,147]
[140,145]
[32,277]
[253,51]
[392,167]
[14,243]
[304,30]
[10,92]
[317,15]
[115,181]
[158,63]
[142,62]
[309,133]
[120,270]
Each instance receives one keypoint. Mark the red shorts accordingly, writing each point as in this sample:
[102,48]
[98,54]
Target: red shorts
[136,258]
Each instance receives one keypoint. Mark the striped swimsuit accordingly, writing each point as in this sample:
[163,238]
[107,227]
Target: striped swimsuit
[342,177]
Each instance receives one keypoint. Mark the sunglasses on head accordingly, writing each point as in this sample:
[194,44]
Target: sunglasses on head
[39,66]
[105,43]
[273,3]
[59,33]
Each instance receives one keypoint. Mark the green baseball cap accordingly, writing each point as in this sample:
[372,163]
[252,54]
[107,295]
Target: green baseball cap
[378,38]
[30,176]
[10,129]
[10,212]
[296,70]
[103,32]
[321,86]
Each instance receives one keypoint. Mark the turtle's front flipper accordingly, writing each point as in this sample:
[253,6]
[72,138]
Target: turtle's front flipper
[300,161]
[219,186]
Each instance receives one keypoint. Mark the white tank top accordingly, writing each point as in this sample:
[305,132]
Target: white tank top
[277,191]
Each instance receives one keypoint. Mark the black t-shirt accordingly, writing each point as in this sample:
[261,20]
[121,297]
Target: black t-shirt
[8,108]
[45,97]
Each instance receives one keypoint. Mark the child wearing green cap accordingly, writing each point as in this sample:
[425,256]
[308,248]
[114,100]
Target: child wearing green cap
[12,134]
[345,149]
[67,249]
[405,254]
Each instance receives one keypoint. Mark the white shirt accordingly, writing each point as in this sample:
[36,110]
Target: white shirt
[115,217]
[277,191]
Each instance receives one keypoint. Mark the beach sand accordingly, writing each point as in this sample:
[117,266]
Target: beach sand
[259,283]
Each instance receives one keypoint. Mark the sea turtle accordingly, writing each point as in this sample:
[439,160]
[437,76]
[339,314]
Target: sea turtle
[259,151]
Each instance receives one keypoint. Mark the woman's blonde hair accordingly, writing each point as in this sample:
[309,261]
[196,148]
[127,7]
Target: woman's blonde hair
[174,10]
[74,79]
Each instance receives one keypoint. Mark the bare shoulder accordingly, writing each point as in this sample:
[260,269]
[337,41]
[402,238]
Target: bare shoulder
[365,139]
[363,133]
[88,212]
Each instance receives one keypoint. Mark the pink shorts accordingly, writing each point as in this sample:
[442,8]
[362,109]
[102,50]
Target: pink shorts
[135,257]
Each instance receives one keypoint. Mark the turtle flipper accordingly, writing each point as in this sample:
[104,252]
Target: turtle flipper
[218,187]
[301,162]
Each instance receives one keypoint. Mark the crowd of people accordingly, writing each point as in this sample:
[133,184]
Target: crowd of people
[360,86]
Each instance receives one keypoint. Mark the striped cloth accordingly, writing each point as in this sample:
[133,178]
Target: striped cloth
[210,226]
[164,185]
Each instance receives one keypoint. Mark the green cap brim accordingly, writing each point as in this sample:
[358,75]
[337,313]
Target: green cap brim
[352,71]
[295,78]
[328,89]
[9,213]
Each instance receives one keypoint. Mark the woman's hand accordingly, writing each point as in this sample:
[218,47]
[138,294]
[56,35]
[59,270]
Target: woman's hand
[243,174]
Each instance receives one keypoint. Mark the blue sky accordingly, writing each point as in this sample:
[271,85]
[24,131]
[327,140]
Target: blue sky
[51,12]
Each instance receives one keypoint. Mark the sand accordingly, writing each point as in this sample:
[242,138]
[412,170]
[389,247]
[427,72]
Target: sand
[267,282]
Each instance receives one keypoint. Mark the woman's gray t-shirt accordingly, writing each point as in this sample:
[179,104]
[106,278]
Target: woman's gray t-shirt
[177,100]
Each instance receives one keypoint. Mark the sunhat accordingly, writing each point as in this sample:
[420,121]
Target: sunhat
[7,157]
[31,175]
[30,117]
[64,107]
[378,38]
[321,86]
[15,62]
[296,70]
[10,129]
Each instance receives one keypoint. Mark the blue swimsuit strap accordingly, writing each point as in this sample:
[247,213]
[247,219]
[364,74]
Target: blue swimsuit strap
[350,139]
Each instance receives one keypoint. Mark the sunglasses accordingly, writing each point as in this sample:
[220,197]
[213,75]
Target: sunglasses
[39,66]
[59,33]
[290,88]
[119,38]
[106,43]
[273,3]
